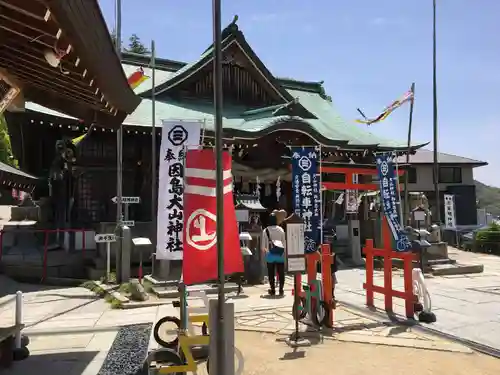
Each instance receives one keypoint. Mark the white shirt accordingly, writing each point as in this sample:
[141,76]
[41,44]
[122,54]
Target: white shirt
[277,235]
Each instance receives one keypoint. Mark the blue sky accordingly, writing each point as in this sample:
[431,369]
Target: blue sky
[367,52]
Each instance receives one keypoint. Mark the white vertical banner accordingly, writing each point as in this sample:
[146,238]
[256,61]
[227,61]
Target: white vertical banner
[450,221]
[176,136]
[351,197]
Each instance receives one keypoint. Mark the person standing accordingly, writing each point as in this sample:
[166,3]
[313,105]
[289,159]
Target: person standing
[273,245]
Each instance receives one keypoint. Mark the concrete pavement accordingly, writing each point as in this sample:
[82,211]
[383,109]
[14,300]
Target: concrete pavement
[466,306]
[71,330]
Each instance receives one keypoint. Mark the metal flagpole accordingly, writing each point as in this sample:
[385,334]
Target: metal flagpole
[154,210]
[321,196]
[407,193]
[216,13]
[401,219]
[435,115]
[119,149]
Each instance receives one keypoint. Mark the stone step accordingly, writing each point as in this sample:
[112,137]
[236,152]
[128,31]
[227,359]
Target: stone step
[161,283]
[96,273]
[456,269]
[435,262]
[172,292]
[430,263]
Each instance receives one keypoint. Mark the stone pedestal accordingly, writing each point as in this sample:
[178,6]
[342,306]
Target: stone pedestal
[355,240]
[161,269]
[438,250]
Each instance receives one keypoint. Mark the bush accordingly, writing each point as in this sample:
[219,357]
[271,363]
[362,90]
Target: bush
[488,240]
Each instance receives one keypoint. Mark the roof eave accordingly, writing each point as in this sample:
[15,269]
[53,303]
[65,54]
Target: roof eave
[95,48]
[402,148]
[471,165]
[78,110]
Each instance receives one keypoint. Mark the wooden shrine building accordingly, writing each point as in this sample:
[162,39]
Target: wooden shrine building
[50,57]
[263,116]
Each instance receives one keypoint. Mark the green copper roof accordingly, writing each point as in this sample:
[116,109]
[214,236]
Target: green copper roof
[317,116]
[328,128]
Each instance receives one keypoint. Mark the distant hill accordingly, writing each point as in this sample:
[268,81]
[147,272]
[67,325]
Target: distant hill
[488,197]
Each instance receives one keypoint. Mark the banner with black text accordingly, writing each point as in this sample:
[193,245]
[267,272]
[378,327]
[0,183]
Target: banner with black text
[176,137]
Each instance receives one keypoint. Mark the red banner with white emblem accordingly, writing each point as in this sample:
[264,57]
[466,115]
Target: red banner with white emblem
[200,241]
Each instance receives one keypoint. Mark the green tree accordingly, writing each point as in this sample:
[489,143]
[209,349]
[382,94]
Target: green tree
[6,155]
[136,46]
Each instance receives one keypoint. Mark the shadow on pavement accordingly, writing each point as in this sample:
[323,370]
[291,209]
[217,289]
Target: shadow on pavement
[9,286]
[295,354]
[239,296]
[63,312]
[66,363]
[72,296]
[268,296]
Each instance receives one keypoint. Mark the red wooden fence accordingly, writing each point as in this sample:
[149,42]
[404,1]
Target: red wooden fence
[389,293]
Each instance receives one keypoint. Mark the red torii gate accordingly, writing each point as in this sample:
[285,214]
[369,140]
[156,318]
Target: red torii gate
[326,259]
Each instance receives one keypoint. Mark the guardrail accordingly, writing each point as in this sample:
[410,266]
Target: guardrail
[46,237]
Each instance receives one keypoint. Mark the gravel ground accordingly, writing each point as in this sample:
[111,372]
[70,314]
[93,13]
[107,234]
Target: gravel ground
[128,351]
[265,356]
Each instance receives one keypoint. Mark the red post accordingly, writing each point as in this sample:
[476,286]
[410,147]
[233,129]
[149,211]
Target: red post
[1,244]
[368,250]
[140,273]
[83,243]
[45,251]
[311,266]
[326,273]
[312,260]
[298,278]
[387,240]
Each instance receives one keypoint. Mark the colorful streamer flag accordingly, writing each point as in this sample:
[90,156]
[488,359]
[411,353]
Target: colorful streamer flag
[388,110]
[136,78]
[80,138]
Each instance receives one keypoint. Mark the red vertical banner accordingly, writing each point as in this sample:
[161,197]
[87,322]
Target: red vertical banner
[200,217]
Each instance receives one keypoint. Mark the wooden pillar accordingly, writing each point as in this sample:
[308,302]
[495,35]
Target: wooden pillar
[387,241]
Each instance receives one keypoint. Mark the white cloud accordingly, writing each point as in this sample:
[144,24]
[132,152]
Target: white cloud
[382,21]
[379,21]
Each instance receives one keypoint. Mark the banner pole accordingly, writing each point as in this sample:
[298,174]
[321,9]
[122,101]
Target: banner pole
[401,219]
[119,155]
[218,96]
[154,209]
[320,197]
[437,219]
[407,193]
